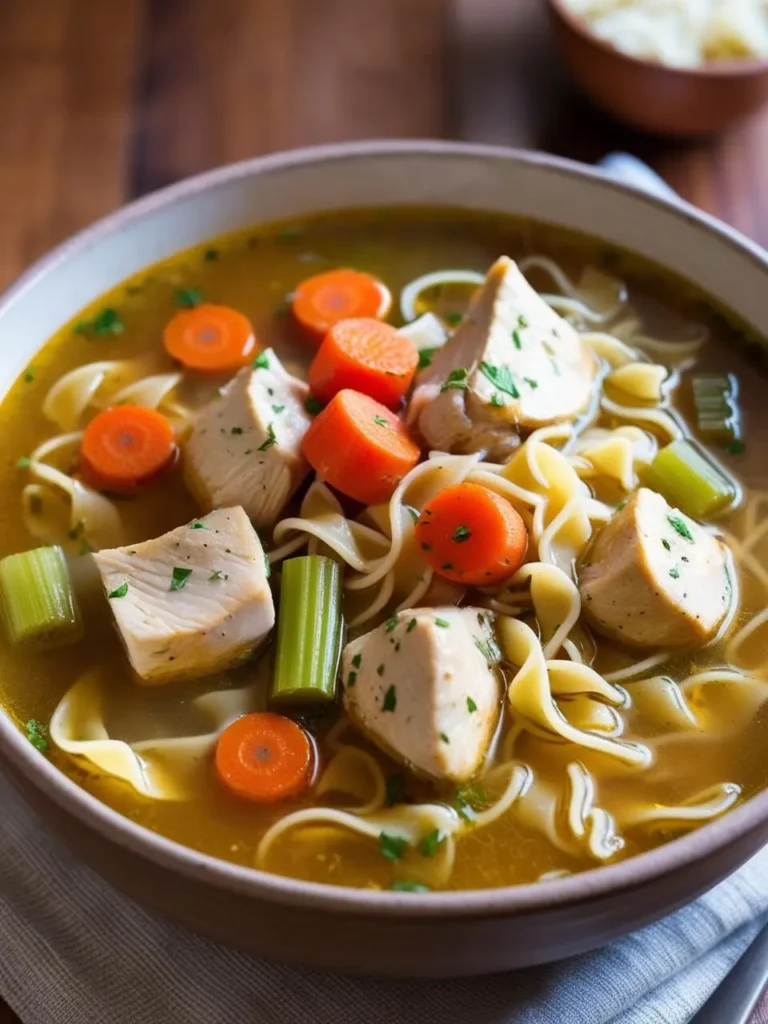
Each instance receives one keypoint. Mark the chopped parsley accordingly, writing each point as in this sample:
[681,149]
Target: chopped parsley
[24,462]
[218,575]
[37,734]
[405,885]
[351,678]
[469,798]
[29,376]
[271,439]
[425,358]
[395,789]
[179,577]
[390,700]
[380,421]
[736,447]
[674,572]
[210,255]
[313,406]
[357,660]
[261,362]
[522,321]
[497,401]
[665,544]
[471,706]
[517,339]
[461,533]
[456,380]
[444,738]
[532,384]
[188,298]
[392,623]
[454,318]
[501,377]
[120,591]
[680,525]
[277,409]
[429,845]
[411,625]
[392,847]
[102,325]
[236,430]
[444,623]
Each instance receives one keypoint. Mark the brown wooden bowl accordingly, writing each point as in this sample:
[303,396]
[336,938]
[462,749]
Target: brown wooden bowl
[651,96]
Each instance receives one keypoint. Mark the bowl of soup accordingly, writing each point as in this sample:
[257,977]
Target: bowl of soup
[383,568]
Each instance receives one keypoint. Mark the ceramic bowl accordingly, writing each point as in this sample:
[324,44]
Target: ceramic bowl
[437,934]
[652,97]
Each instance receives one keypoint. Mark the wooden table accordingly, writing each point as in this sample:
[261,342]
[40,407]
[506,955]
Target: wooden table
[102,100]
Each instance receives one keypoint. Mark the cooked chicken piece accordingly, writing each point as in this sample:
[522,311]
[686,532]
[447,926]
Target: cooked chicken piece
[424,690]
[245,448]
[513,365]
[655,578]
[193,601]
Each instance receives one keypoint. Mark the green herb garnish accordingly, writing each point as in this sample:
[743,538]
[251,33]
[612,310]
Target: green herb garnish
[103,324]
[357,660]
[444,623]
[471,706]
[351,678]
[179,577]
[188,298]
[456,380]
[392,623]
[277,409]
[736,447]
[236,430]
[674,572]
[444,738]
[218,575]
[454,318]
[261,362]
[425,358]
[532,384]
[405,885]
[666,545]
[497,401]
[37,734]
[24,462]
[430,844]
[120,591]
[390,699]
[210,255]
[313,406]
[681,527]
[517,339]
[461,533]
[411,625]
[29,376]
[501,377]
[392,847]
[271,439]
[380,421]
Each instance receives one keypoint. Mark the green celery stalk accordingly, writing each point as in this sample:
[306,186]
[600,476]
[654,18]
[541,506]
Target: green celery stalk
[37,603]
[309,631]
[689,481]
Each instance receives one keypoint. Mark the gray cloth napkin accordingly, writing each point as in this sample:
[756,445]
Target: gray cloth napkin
[73,951]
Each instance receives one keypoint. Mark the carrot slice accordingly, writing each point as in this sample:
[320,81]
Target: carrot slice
[264,757]
[125,447]
[472,535]
[360,447]
[365,355]
[323,300]
[210,338]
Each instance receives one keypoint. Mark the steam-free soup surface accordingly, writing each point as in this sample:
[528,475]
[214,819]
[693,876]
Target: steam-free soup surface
[705,740]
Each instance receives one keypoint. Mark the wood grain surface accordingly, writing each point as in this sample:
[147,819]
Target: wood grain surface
[102,100]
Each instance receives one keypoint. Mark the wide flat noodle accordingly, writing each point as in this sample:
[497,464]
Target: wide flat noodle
[159,769]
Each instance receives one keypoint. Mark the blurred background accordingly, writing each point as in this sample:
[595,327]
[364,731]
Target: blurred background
[103,100]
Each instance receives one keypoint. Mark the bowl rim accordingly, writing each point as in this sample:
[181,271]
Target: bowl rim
[717,70]
[193,865]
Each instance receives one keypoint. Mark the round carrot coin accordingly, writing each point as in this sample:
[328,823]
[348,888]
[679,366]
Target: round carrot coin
[264,757]
[323,300]
[210,338]
[125,447]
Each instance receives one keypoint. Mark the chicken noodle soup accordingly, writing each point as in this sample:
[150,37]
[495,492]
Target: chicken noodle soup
[409,549]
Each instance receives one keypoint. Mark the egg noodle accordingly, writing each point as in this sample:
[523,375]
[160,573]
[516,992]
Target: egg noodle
[556,697]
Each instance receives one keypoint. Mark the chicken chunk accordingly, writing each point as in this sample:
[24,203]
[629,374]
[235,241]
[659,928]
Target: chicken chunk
[655,578]
[422,688]
[513,365]
[193,601]
[245,448]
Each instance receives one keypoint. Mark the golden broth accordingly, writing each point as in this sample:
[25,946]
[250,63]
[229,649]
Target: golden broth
[254,271]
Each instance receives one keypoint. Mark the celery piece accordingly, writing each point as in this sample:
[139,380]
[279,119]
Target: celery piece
[309,631]
[690,481]
[37,603]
